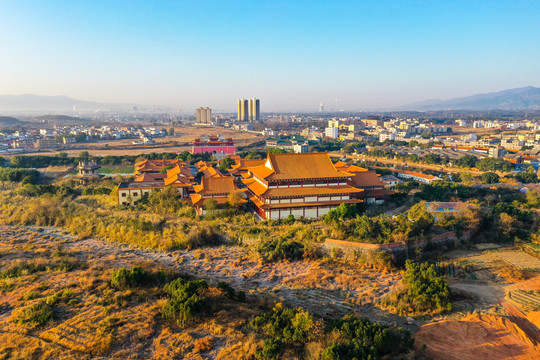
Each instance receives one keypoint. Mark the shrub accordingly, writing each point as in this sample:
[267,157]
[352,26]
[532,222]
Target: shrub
[136,277]
[280,249]
[361,339]
[34,315]
[31,295]
[377,259]
[270,350]
[424,292]
[287,326]
[184,303]
[64,295]
[490,178]
[203,236]
[29,176]
[227,289]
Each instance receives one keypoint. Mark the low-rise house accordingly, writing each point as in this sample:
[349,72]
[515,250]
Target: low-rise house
[416,176]
[391,181]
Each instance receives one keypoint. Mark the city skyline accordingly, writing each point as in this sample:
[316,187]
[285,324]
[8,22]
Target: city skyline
[347,56]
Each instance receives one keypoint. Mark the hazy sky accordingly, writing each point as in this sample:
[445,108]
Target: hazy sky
[290,54]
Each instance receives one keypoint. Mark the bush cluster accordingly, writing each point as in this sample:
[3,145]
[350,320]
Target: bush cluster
[29,176]
[136,277]
[185,301]
[285,326]
[424,292]
[289,330]
[34,315]
[280,249]
[361,339]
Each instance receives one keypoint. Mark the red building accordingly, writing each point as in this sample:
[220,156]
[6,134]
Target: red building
[214,145]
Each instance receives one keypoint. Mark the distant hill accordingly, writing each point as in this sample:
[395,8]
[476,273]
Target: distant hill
[30,102]
[10,121]
[525,98]
[60,119]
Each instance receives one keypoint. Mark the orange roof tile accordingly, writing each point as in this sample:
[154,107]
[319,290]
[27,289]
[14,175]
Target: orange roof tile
[349,168]
[242,165]
[180,169]
[209,171]
[200,164]
[258,189]
[301,166]
[178,181]
[366,178]
[155,165]
[148,177]
[261,171]
[215,185]
[255,186]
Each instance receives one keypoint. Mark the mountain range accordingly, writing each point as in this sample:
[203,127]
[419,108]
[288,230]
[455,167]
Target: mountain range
[525,98]
[29,102]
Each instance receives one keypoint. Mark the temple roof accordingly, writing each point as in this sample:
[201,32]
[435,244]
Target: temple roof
[342,166]
[259,189]
[292,166]
[178,180]
[367,178]
[155,165]
[215,185]
[180,170]
[148,177]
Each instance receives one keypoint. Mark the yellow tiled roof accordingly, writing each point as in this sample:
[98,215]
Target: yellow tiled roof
[298,166]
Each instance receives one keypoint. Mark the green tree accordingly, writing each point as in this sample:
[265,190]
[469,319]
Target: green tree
[84,156]
[225,164]
[527,177]
[422,218]
[467,161]
[490,178]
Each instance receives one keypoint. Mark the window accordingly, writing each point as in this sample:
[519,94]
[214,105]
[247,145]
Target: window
[123,194]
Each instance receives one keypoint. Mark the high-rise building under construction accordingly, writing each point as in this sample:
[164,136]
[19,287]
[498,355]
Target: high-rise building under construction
[204,115]
[254,109]
[243,110]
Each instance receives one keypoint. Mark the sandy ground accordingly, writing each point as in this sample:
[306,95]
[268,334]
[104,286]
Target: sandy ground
[478,337]
[498,328]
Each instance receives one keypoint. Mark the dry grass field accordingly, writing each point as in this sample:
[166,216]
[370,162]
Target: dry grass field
[56,299]
[55,302]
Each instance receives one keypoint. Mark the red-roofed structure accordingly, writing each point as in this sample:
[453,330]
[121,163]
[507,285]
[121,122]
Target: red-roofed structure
[214,145]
